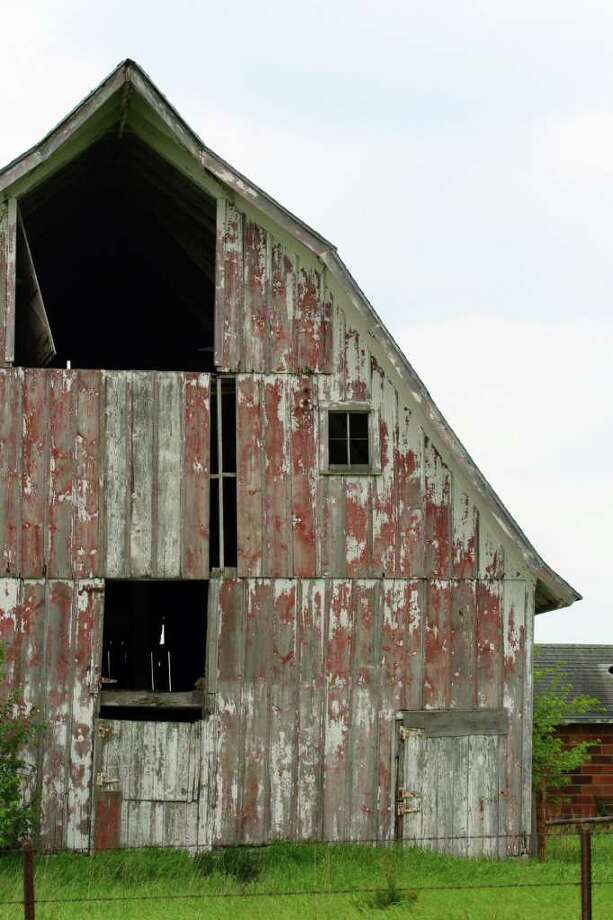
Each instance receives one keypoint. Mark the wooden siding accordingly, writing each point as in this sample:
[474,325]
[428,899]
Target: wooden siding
[273,313]
[8,283]
[52,634]
[312,673]
[105,473]
[407,519]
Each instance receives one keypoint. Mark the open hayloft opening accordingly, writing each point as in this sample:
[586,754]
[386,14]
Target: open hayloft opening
[123,248]
[154,645]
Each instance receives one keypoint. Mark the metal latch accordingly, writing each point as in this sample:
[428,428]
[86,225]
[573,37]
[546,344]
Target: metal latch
[103,731]
[105,779]
[405,802]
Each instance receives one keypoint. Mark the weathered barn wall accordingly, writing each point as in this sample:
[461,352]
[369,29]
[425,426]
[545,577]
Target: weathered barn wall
[311,676]
[104,473]
[356,597]
[52,635]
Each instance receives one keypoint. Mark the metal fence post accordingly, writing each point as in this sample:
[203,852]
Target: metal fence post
[28,882]
[586,873]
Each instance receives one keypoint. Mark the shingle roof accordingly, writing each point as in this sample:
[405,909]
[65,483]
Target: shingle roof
[589,669]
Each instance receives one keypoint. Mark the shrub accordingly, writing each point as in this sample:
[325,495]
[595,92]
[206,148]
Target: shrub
[17,728]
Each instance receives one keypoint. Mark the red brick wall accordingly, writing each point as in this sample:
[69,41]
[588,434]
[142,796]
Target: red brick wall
[591,788]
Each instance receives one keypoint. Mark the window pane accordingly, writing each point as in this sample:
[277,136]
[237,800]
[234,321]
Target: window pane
[337,425]
[337,452]
[359,452]
[358,425]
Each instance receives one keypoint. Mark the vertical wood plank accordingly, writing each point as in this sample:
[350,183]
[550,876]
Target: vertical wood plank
[228,287]
[255,284]
[338,687]
[357,366]
[34,473]
[283,711]
[413,759]
[58,694]
[436,644]
[11,393]
[437,511]
[362,776]
[282,309]
[62,395]
[311,700]
[231,637]
[463,615]
[465,536]
[8,279]
[276,527]
[385,501]
[332,526]
[167,517]
[358,525]
[117,472]
[308,320]
[86,644]
[195,479]
[459,775]
[408,467]
[88,470]
[255,789]
[249,482]
[144,398]
[526,805]
[304,451]
[514,639]
[489,644]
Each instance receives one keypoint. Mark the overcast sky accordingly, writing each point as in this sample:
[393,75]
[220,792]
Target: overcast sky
[460,155]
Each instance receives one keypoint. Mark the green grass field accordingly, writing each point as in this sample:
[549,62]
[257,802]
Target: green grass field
[146,875]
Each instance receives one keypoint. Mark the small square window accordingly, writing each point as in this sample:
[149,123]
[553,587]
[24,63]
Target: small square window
[348,440]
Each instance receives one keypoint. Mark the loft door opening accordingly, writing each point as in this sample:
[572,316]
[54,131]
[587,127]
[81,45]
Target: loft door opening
[154,648]
[123,248]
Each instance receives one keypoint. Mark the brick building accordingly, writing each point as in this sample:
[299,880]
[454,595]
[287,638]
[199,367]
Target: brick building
[590,671]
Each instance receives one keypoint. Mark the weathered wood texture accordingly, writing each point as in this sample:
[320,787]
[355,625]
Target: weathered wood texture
[408,519]
[273,314]
[8,266]
[160,770]
[312,673]
[454,788]
[104,473]
[52,635]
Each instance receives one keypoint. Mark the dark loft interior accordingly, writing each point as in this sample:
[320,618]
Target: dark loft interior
[154,635]
[123,247]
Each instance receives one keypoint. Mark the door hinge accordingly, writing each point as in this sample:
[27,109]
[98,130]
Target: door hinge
[407,802]
[407,733]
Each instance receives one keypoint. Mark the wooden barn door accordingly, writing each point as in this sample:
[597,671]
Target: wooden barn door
[151,787]
[447,780]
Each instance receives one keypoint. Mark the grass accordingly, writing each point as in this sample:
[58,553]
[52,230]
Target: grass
[284,867]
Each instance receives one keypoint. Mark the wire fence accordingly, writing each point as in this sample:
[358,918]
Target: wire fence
[32,855]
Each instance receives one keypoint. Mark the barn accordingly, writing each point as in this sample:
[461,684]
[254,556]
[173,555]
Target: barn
[250,579]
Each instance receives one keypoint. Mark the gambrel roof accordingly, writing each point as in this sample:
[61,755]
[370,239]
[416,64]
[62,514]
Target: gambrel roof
[128,96]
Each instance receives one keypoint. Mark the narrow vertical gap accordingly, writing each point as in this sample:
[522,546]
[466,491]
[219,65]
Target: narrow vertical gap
[220,439]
